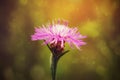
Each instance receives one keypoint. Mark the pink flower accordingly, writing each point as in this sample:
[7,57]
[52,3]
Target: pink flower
[57,34]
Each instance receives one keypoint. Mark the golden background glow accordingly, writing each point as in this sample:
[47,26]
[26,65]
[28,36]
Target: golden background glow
[23,59]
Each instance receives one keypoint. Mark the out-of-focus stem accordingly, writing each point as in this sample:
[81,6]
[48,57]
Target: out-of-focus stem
[54,61]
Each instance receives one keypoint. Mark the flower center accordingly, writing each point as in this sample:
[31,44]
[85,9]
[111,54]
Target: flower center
[57,47]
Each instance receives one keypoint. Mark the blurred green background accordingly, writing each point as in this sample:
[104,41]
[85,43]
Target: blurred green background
[23,59]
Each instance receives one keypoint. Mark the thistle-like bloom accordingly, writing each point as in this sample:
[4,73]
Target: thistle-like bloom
[57,34]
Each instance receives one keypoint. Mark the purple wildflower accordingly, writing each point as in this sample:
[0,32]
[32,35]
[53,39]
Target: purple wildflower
[57,34]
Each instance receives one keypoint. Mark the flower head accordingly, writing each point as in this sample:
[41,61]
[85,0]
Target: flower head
[57,34]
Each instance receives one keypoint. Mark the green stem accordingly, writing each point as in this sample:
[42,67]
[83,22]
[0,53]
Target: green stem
[54,62]
[54,66]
